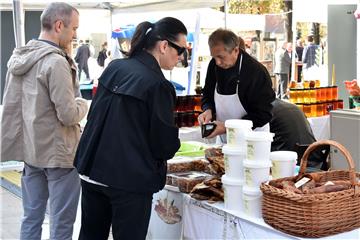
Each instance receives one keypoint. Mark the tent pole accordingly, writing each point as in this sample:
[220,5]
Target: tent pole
[18,20]
[358,45]
[194,57]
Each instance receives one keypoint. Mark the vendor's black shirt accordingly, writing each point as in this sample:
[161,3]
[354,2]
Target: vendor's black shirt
[254,90]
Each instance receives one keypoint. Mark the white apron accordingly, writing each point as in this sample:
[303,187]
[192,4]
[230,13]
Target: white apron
[230,107]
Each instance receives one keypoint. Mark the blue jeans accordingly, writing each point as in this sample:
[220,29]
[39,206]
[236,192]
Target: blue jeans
[61,186]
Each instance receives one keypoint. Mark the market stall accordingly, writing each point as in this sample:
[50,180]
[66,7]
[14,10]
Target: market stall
[180,208]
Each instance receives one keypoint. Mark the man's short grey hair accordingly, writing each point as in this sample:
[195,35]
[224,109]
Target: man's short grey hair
[56,11]
[226,37]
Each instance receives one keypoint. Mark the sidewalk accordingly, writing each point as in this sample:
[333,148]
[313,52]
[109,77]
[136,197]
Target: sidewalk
[11,213]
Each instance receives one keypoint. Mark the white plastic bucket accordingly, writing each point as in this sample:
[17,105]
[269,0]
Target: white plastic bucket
[258,145]
[283,164]
[252,198]
[232,193]
[233,160]
[256,172]
[235,131]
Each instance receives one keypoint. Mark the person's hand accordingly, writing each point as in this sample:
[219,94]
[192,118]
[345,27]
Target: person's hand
[205,117]
[352,87]
[220,129]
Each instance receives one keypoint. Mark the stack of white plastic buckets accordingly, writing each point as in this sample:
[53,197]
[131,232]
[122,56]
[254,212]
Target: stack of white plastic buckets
[256,170]
[247,164]
[234,156]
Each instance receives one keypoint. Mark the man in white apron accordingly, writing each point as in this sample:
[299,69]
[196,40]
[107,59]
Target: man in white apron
[237,86]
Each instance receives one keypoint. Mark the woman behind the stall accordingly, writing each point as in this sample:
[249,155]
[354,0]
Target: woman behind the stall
[130,134]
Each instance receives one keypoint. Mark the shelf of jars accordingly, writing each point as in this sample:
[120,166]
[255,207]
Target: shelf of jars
[315,101]
[187,110]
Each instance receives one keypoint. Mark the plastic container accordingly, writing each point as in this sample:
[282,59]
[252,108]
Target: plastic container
[233,194]
[252,198]
[235,131]
[233,160]
[258,145]
[256,172]
[283,164]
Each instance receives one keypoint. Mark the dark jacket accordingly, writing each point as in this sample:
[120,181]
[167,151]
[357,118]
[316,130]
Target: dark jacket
[290,126]
[130,133]
[255,91]
[82,55]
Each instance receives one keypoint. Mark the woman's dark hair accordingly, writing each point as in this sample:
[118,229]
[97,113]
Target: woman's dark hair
[147,34]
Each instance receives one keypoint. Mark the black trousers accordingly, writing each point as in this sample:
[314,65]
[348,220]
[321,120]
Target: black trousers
[84,68]
[101,207]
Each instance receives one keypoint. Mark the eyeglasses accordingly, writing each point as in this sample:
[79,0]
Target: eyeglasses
[180,50]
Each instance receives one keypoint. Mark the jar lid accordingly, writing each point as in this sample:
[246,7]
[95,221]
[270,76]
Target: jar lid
[259,136]
[231,181]
[283,156]
[238,123]
[233,150]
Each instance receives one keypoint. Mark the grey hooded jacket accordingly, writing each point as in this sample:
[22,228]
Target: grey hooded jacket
[40,119]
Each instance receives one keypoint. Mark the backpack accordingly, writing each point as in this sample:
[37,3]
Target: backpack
[101,58]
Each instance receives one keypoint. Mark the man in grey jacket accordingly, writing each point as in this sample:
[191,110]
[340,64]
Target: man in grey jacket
[282,68]
[40,124]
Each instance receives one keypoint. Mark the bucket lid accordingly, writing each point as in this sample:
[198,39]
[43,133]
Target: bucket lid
[231,181]
[227,149]
[283,156]
[238,123]
[256,164]
[252,191]
[259,136]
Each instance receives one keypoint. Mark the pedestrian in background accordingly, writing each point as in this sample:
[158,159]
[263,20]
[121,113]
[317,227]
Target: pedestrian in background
[299,53]
[130,134]
[282,69]
[82,57]
[40,124]
[102,55]
[309,59]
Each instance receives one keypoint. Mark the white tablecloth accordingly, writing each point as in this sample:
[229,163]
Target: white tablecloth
[202,220]
[211,221]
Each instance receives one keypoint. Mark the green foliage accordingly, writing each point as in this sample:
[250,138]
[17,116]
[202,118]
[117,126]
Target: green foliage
[256,6]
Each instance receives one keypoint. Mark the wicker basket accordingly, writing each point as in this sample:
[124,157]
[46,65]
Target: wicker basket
[314,215]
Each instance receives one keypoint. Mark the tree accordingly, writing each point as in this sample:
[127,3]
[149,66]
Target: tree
[264,7]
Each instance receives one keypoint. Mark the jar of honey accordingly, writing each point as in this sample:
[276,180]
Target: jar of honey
[197,102]
[318,94]
[334,93]
[323,94]
[312,94]
[300,96]
[307,109]
[306,93]
[319,109]
[312,109]
[328,106]
[328,93]
[306,84]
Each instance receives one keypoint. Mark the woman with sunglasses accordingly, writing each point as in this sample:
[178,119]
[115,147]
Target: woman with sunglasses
[130,134]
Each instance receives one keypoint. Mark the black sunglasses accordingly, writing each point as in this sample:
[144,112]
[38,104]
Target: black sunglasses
[180,50]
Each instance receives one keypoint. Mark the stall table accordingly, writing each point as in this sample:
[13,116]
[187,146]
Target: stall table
[203,220]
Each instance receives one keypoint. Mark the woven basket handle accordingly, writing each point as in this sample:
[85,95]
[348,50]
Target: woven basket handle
[342,149]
